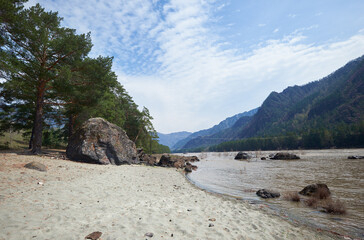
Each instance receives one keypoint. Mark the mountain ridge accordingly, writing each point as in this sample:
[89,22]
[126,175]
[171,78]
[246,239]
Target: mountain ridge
[227,123]
[170,139]
[321,104]
[328,98]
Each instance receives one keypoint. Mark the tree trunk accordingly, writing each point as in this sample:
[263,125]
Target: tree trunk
[31,139]
[71,125]
[38,121]
[136,138]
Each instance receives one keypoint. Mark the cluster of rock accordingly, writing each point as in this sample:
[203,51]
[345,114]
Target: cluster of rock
[318,190]
[277,156]
[178,162]
[146,159]
[99,141]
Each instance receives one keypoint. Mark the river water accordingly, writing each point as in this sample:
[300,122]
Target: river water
[220,173]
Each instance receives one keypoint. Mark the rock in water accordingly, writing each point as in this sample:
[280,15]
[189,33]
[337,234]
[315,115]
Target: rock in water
[99,141]
[356,157]
[318,190]
[284,156]
[263,193]
[188,168]
[242,155]
[194,159]
[36,166]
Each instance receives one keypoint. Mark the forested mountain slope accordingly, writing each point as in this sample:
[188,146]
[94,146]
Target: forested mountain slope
[337,99]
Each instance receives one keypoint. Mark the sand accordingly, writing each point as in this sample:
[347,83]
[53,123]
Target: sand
[124,202]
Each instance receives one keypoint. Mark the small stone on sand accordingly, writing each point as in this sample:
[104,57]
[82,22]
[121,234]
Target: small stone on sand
[149,234]
[94,235]
[36,166]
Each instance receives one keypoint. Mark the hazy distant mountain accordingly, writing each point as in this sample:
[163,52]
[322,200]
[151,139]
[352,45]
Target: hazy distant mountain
[218,137]
[225,124]
[172,138]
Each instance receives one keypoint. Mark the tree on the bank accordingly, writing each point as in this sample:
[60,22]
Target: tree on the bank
[51,82]
[85,89]
[35,53]
[9,10]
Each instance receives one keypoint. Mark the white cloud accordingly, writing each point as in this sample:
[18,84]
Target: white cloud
[171,61]
[223,84]
[291,15]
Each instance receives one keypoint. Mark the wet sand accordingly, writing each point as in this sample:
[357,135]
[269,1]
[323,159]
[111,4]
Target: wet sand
[124,202]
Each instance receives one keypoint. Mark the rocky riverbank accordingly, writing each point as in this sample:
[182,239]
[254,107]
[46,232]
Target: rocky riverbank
[70,200]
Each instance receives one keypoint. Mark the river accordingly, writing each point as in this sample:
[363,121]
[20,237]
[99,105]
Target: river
[220,173]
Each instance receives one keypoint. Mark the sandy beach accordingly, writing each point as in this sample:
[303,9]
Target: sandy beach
[124,202]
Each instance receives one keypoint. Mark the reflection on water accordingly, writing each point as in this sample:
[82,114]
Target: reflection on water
[219,172]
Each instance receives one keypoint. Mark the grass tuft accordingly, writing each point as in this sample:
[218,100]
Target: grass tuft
[334,207]
[311,202]
[291,196]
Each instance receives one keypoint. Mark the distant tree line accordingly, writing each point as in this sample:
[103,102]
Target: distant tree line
[340,136]
[49,85]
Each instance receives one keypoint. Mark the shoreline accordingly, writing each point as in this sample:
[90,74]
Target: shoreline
[272,210]
[125,202]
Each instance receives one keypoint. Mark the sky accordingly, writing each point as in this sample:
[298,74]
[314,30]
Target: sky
[193,63]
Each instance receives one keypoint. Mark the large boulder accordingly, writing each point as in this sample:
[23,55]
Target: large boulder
[99,141]
[284,156]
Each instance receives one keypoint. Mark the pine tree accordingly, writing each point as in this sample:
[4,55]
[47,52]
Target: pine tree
[36,52]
